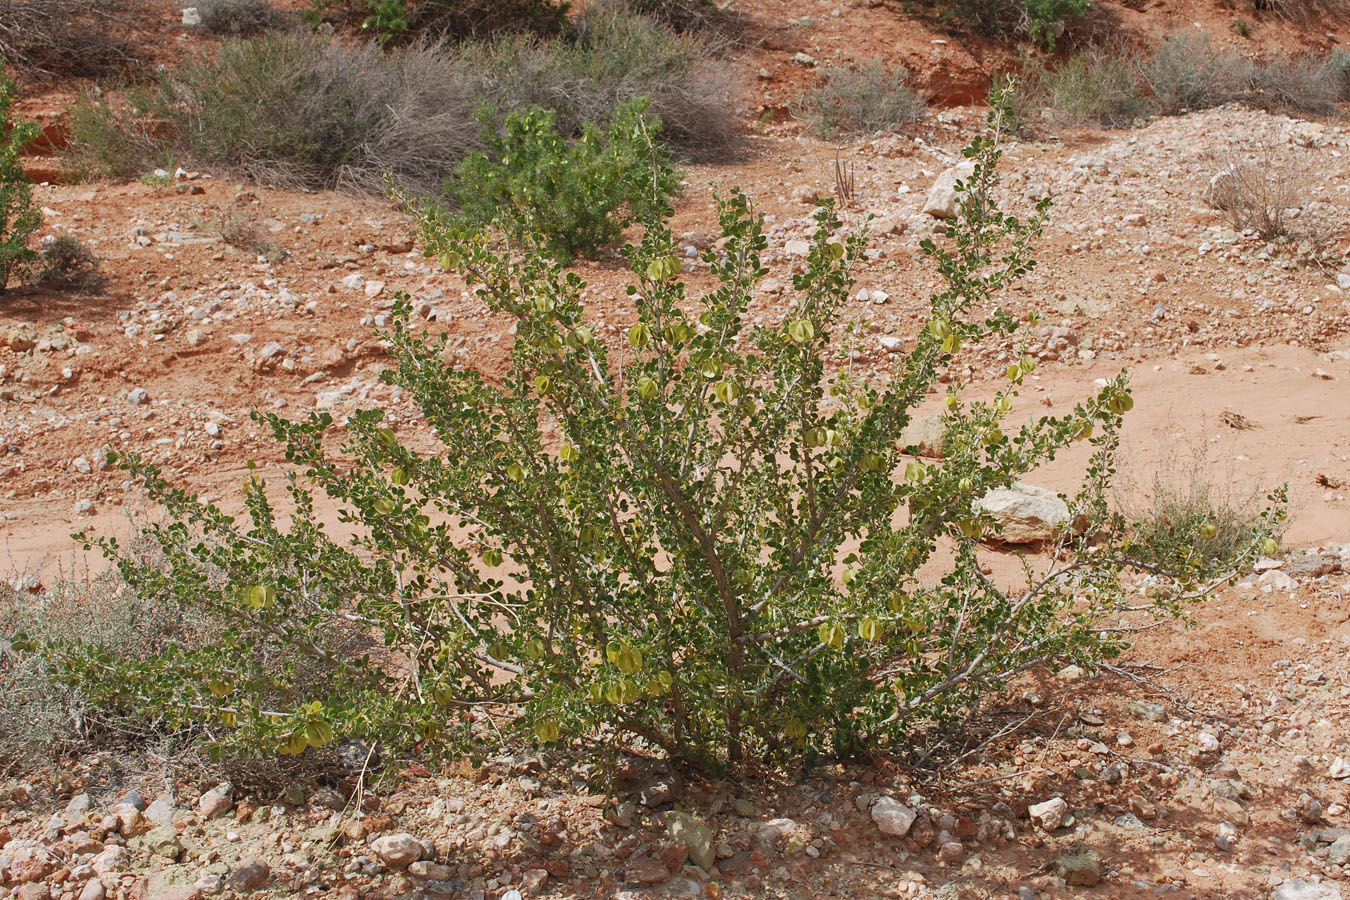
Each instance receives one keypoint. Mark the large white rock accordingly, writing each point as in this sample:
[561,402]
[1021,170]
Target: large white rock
[941,201]
[1298,889]
[1050,814]
[892,816]
[1027,514]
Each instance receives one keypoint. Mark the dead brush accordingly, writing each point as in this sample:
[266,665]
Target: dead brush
[65,37]
[1260,193]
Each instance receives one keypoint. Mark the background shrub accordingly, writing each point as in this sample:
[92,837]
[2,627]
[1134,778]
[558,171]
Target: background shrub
[302,110]
[19,218]
[1042,21]
[238,18]
[615,57]
[1303,83]
[568,196]
[1091,87]
[853,101]
[691,543]
[1185,72]
[64,37]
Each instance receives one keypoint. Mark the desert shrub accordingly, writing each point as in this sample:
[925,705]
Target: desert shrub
[393,21]
[1184,71]
[682,15]
[572,196]
[238,18]
[706,542]
[63,37]
[1093,86]
[19,218]
[853,101]
[614,57]
[117,138]
[1302,83]
[68,265]
[41,717]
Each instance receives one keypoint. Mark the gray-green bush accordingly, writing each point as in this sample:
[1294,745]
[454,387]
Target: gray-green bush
[854,101]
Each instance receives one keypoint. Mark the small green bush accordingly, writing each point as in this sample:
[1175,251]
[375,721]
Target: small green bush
[1042,21]
[570,196]
[853,101]
[704,540]
[68,265]
[19,218]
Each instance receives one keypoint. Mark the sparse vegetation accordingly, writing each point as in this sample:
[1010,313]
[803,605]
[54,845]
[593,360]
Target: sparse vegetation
[19,218]
[567,197]
[239,18]
[63,37]
[246,233]
[1242,27]
[690,545]
[302,110]
[1042,21]
[855,101]
[40,717]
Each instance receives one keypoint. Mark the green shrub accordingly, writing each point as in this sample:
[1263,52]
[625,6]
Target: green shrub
[68,265]
[1092,87]
[19,218]
[705,541]
[394,21]
[569,196]
[853,101]
[1043,21]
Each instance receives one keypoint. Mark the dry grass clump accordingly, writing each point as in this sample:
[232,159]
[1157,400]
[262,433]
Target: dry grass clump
[859,101]
[1259,192]
[68,265]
